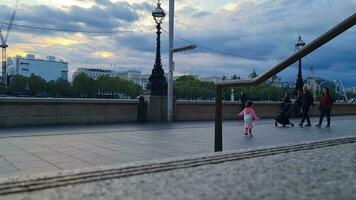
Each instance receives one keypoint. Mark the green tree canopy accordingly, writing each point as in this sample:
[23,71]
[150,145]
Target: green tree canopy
[108,85]
[19,85]
[188,87]
[84,86]
[63,88]
[37,85]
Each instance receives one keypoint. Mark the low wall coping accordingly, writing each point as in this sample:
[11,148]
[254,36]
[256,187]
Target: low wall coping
[205,102]
[26,100]
[225,102]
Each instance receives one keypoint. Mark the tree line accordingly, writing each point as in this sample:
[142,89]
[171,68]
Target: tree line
[190,88]
[82,87]
[185,88]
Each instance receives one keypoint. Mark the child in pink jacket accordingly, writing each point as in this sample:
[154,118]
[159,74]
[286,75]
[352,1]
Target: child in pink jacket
[249,115]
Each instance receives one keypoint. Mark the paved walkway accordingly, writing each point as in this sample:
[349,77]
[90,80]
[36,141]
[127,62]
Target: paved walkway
[321,170]
[26,151]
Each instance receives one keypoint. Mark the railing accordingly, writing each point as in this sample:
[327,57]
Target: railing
[323,39]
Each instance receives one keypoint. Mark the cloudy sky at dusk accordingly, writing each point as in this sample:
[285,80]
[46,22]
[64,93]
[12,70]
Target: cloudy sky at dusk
[234,36]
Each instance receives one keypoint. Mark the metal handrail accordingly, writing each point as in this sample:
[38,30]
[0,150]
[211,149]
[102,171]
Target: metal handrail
[315,44]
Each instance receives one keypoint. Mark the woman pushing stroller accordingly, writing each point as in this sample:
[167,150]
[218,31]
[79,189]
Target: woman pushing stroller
[283,117]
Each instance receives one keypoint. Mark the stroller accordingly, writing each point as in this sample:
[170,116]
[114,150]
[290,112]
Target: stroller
[283,117]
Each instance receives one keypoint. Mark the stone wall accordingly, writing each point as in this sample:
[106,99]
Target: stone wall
[205,110]
[42,111]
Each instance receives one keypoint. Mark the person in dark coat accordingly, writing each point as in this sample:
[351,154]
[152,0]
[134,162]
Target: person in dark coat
[287,104]
[306,100]
[326,102]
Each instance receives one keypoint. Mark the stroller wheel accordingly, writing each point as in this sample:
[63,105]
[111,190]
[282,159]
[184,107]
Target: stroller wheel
[275,124]
[284,125]
[292,125]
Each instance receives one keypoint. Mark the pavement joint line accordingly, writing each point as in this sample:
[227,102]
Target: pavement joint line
[65,154]
[139,130]
[108,148]
[31,153]
[20,186]
[18,169]
[12,164]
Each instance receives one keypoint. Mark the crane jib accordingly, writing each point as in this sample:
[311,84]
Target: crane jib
[4,45]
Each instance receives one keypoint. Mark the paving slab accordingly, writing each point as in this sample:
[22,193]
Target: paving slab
[315,170]
[96,145]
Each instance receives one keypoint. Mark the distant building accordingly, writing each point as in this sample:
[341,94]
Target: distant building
[277,81]
[49,69]
[94,73]
[253,74]
[352,89]
[274,79]
[131,75]
[135,76]
[234,77]
[214,79]
[144,80]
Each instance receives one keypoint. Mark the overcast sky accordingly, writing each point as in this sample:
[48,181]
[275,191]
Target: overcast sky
[248,30]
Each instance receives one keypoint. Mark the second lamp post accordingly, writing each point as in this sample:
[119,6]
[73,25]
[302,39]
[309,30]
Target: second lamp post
[299,83]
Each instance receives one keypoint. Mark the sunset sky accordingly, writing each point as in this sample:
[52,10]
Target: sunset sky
[234,36]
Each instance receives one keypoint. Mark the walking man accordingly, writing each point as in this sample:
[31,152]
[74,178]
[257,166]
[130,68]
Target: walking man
[306,101]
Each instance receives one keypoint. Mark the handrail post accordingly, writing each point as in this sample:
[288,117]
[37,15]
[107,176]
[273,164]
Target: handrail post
[218,119]
[312,46]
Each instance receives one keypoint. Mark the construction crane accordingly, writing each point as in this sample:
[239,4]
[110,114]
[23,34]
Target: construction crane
[4,36]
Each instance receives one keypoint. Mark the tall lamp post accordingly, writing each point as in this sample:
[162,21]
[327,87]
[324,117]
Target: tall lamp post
[172,50]
[299,83]
[157,82]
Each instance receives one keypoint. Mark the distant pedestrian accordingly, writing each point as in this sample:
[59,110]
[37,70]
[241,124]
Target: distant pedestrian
[249,116]
[326,102]
[306,100]
[243,100]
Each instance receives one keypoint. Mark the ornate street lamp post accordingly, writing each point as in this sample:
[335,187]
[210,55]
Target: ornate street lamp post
[299,83]
[157,81]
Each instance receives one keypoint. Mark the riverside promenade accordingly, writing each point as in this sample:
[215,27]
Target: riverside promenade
[35,150]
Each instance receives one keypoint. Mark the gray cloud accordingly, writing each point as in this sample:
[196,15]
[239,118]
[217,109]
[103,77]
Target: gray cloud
[270,30]
[266,29]
[106,16]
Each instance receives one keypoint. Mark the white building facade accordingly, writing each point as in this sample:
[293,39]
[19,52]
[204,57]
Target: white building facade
[48,69]
[135,76]
[93,73]
[131,75]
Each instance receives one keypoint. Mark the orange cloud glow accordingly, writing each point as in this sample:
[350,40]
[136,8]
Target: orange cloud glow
[104,54]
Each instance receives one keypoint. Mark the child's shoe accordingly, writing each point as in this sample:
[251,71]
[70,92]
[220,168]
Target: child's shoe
[246,134]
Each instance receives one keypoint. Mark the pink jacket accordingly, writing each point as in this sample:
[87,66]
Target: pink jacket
[249,111]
